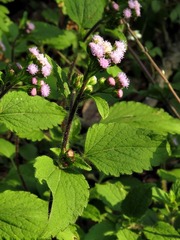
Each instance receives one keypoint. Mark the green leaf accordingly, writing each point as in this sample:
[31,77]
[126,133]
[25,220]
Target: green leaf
[161,231]
[170,175]
[68,234]
[111,194]
[137,201]
[102,106]
[86,13]
[141,115]
[69,190]
[22,215]
[117,148]
[26,115]
[126,234]
[45,33]
[101,231]
[7,149]
[91,212]
[160,196]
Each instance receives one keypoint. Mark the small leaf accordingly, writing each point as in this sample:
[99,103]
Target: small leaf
[91,212]
[102,106]
[22,215]
[69,190]
[25,114]
[86,13]
[143,116]
[111,194]
[170,175]
[161,231]
[137,201]
[101,231]
[124,234]
[116,148]
[7,148]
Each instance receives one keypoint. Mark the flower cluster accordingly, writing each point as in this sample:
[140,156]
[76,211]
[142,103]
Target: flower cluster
[133,5]
[41,66]
[105,52]
[119,82]
[30,27]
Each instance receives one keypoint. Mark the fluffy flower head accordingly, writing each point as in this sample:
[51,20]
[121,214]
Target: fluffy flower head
[32,69]
[104,63]
[45,90]
[127,13]
[123,79]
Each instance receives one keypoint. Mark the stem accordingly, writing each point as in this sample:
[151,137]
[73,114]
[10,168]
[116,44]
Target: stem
[144,50]
[71,116]
[133,53]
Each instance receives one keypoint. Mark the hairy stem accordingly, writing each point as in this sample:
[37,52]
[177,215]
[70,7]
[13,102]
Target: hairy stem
[145,51]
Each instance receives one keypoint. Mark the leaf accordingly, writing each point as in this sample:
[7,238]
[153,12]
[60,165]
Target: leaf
[69,190]
[137,201]
[111,194]
[26,115]
[91,212]
[161,231]
[170,175]
[53,36]
[102,106]
[160,196]
[86,13]
[101,231]
[143,116]
[22,215]
[7,148]
[124,234]
[69,233]
[116,148]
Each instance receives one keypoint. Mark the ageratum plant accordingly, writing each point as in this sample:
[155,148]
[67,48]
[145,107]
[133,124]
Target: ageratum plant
[77,141]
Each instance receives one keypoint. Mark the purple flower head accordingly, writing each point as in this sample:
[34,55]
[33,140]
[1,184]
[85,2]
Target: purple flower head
[34,81]
[34,51]
[46,70]
[117,56]
[32,69]
[33,92]
[121,45]
[30,27]
[131,4]
[98,39]
[127,13]
[123,79]
[2,46]
[111,81]
[104,63]
[107,47]
[96,49]
[120,93]
[45,90]
[42,59]
[137,8]
[115,6]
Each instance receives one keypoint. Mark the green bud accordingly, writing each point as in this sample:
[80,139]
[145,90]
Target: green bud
[92,81]
[102,80]
[89,88]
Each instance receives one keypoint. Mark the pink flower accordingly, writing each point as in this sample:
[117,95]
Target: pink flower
[32,68]
[115,6]
[96,49]
[120,93]
[30,27]
[45,90]
[33,92]
[111,81]
[42,82]
[46,70]
[104,63]
[98,39]
[123,79]
[127,13]
[34,51]
[121,45]
[137,8]
[117,56]
[34,81]
[107,47]
[131,4]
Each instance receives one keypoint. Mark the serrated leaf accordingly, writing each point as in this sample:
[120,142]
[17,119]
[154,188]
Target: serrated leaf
[102,106]
[141,115]
[161,231]
[111,194]
[126,234]
[116,148]
[69,190]
[52,35]
[91,212]
[24,114]
[7,148]
[170,175]
[69,233]
[137,201]
[85,13]
[103,230]
[160,196]
[22,215]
